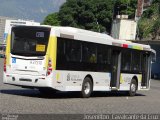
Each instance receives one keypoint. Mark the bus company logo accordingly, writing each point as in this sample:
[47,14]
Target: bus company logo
[39,34]
[68,77]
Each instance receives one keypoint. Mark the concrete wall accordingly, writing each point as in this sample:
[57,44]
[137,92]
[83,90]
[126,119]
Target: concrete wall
[2,27]
[115,29]
[124,29]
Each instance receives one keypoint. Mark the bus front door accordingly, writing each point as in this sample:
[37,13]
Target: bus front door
[115,70]
[146,66]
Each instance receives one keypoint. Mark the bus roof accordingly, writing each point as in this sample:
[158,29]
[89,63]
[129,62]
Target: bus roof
[90,36]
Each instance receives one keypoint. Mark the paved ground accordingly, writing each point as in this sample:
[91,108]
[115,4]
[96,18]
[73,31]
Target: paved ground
[24,101]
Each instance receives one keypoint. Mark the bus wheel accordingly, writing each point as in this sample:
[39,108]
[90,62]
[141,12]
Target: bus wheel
[133,88]
[87,88]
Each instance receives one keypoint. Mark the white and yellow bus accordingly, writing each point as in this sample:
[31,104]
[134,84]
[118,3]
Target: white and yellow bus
[71,59]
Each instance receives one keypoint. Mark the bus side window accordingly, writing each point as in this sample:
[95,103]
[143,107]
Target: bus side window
[136,61]
[103,58]
[67,50]
[72,51]
[85,53]
[103,54]
[61,51]
[76,51]
[92,58]
[89,53]
[126,66]
[126,61]
[100,58]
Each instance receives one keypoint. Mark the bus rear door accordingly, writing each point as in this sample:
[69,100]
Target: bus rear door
[146,66]
[115,69]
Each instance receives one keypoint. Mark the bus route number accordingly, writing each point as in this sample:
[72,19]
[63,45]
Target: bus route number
[40,34]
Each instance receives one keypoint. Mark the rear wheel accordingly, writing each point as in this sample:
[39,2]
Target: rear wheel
[87,88]
[133,88]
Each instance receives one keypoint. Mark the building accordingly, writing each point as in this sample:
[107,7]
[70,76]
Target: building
[2,27]
[10,23]
[124,28]
[6,24]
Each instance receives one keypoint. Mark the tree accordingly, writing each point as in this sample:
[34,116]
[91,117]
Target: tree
[156,30]
[52,19]
[87,14]
[95,15]
[149,24]
[126,7]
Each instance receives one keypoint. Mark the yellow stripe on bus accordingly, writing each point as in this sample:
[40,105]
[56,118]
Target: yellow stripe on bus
[8,49]
[139,78]
[52,51]
[137,47]
[121,79]
[57,76]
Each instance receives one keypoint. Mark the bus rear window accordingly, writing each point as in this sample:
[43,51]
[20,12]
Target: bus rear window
[29,41]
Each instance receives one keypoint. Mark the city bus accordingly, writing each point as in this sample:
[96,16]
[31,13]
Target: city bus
[51,58]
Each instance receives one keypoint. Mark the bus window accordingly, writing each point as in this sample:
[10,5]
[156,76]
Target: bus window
[136,61]
[73,50]
[89,53]
[29,41]
[103,58]
[126,61]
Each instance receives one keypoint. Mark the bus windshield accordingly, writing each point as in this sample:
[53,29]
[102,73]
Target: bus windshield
[29,41]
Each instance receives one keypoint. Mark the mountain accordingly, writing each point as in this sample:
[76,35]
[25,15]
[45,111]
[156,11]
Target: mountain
[35,10]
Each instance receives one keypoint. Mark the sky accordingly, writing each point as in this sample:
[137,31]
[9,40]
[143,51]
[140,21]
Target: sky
[35,10]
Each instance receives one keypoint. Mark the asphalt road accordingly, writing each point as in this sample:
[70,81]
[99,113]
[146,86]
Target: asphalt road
[25,101]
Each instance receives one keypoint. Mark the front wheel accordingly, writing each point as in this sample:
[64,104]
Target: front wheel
[87,88]
[133,88]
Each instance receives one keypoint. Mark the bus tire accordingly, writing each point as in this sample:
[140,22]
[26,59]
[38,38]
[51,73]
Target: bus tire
[133,87]
[87,88]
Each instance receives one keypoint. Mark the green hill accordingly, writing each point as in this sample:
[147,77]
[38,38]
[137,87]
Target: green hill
[149,24]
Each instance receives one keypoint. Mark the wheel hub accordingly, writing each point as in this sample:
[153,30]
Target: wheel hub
[133,87]
[87,88]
